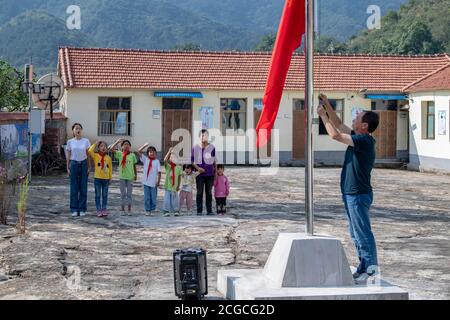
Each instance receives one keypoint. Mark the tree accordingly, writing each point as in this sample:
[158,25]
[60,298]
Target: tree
[415,38]
[329,45]
[267,42]
[419,27]
[187,47]
[11,96]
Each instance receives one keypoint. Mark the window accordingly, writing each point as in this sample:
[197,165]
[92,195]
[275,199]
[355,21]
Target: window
[258,104]
[299,104]
[373,106]
[428,120]
[234,114]
[338,106]
[177,103]
[114,116]
[392,105]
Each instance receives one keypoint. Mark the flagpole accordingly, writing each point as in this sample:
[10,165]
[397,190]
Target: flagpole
[309,99]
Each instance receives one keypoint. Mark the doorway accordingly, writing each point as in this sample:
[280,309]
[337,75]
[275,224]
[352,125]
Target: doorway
[177,114]
[298,129]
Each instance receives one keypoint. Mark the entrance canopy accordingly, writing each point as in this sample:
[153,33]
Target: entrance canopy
[172,94]
[387,96]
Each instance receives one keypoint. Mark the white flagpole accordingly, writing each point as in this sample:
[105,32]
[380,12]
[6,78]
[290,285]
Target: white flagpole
[309,104]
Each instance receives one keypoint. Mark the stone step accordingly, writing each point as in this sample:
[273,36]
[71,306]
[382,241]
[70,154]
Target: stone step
[303,267]
[252,285]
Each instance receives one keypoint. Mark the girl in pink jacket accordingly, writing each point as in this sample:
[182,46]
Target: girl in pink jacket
[221,190]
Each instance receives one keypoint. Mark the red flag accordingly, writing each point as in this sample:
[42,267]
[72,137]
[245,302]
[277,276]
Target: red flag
[289,38]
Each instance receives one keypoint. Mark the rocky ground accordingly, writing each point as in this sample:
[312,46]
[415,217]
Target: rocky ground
[130,257]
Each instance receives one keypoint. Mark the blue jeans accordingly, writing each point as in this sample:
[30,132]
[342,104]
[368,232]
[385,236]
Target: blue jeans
[78,186]
[150,194]
[170,201]
[357,208]
[101,193]
[126,192]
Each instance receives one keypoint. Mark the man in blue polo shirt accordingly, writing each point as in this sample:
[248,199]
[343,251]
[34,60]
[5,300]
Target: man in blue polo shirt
[355,180]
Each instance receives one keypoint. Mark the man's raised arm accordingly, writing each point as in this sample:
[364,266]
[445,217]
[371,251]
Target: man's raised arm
[344,138]
[335,120]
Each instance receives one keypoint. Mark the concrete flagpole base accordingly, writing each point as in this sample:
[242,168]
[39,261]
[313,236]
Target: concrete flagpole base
[302,267]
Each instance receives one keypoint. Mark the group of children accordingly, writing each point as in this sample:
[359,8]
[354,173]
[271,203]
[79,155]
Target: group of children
[178,186]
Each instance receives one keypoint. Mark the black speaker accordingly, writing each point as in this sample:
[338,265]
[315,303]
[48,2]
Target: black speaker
[190,273]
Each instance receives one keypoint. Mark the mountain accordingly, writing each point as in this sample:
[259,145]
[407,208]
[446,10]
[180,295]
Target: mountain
[159,24]
[339,19]
[143,24]
[37,34]
[343,19]
[419,27]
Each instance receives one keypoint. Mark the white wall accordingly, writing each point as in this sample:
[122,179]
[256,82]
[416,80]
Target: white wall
[81,105]
[284,120]
[433,154]
[212,99]
[402,130]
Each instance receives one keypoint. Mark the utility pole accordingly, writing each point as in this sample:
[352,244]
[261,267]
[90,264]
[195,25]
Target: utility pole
[28,77]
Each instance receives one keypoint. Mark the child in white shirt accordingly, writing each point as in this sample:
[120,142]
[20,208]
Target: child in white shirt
[151,177]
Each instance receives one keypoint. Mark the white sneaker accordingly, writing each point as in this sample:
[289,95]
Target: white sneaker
[167,214]
[361,279]
[74,214]
[82,214]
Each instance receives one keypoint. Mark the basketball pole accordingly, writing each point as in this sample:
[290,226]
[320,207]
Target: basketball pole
[30,106]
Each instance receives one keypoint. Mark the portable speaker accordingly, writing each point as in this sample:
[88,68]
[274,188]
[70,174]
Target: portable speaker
[190,274]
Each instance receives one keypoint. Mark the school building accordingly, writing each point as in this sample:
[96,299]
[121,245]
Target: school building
[430,121]
[144,96]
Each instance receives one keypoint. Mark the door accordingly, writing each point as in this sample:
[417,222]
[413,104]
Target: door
[177,114]
[256,116]
[386,135]
[298,130]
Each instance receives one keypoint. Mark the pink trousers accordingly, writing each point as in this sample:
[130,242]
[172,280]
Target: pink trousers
[186,197]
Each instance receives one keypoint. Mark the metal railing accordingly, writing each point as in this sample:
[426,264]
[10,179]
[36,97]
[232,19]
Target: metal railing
[111,128]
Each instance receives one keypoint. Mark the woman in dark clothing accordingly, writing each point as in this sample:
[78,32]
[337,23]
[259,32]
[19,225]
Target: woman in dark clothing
[204,161]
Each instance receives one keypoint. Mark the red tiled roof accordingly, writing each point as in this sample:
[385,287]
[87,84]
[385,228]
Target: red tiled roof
[174,70]
[23,116]
[437,80]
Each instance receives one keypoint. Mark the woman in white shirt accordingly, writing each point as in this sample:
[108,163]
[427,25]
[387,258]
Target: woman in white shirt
[78,170]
